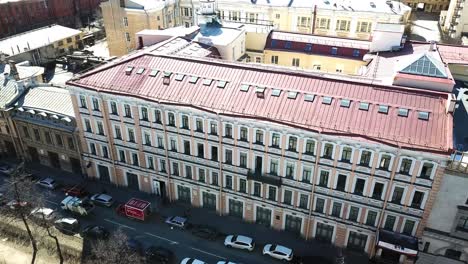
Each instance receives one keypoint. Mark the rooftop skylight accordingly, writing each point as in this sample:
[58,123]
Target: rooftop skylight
[140,71]
[383,109]
[276,92]
[221,84]
[292,95]
[193,79]
[207,82]
[309,97]
[345,103]
[363,106]
[153,73]
[403,112]
[423,115]
[179,77]
[327,100]
[167,74]
[244,88]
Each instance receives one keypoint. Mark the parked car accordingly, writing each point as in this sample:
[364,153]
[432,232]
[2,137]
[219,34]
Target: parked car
[278,252]
[48,183]
[6,169]
[76,191]
[67,225]
[43,215]
[95,232]
[158,255]
[240,242]
[102,199]
[192,261]
[205,232]
[177,221]
[134,246]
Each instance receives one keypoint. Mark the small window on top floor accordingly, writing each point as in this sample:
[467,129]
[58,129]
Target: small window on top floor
[308,47]
[153,73]
[364,106]
[403,112]
[292,95]
[207,82]
[140,71]
[179,77]
[327,100]
[244,88]
[288,45]
[423,115]
[167,74]
[129,70]
[356,53]
[193,79]
[309,97]
[275,92]
[334,50]
[221,84]
[345,103]
[383,109]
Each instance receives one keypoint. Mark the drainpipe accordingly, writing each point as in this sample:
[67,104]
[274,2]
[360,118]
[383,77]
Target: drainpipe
[312,192]
[220,162]
[166,150]
[314,17]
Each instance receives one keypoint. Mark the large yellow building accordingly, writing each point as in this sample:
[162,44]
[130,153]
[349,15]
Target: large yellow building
[357,19]
[325,54]
[124,18]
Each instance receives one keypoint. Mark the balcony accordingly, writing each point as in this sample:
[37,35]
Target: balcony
[264,177]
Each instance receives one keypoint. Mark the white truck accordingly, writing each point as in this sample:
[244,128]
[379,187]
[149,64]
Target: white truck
[77,205]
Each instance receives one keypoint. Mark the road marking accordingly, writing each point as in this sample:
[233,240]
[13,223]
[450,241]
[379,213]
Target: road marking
[163,238]
[51,202]
[208,253]
[117,223]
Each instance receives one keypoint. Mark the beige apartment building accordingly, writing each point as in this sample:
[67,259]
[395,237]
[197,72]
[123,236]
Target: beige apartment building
[358,167]
[430,6]
[353,19]
[454,21]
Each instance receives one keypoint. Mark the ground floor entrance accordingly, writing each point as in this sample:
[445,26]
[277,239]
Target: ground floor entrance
[324,232]
[236,208]
[104,173]
[357,241]
[209,201]
[293,224]
[54,160]
[132,181]
[263,216]
[33,154]
[183,194]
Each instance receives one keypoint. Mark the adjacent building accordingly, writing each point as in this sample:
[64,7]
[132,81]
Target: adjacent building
[350,19]
[353,164]
[454,22]
[41,45]
[430,6]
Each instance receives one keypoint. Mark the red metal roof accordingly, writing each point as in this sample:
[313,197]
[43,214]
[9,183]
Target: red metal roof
[453,54]
[433,135]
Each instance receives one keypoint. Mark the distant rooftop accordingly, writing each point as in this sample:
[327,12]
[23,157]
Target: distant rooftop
[390,27]
[184,47]
[321,40]
[52,100]
[35,39]
[217,35]
[376,6]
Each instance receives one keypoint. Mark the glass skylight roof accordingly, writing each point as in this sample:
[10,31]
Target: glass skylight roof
[292,95]
[179,77]
[140,71]
[327,100]
[383,109]
[221,84]
[363,106]
[423,115]
[153,73]
[244,87]
[167,74]
[207,82]
[309,97]
[259,89]
[403,112]
[193,79]
[426,65]
[276,92]
[345,103]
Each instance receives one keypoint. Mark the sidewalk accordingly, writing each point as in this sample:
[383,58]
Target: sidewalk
[202,216]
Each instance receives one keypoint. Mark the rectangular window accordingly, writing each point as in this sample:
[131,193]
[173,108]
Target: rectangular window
[405,166]
[275,140]
[214,153]
[259,137]
[292,144]
[71,144]
[271,193]
[353,214]
[122,156]
[343,25]
[289,170]
[242,186]
[173,143]
[328,151]
[175,168]
[214,178]
[384,163]
[341,183]
[188,172]
[295,62]
[95,104]
[346,154]
[92,148]
[371,218]
[378,191]
[304,201]
[144,114]
[287,199]
[228,131]
[462,224]
[334,51]
[319,205]
[157,116]
[105,151]
[37,135]
[426,170]
[257,189]
[323,23]
[323,181]
[418,198]
[213,128]
[274,167]
[135,161]
[185,122]
[390,222]
[201,150]
[100,128]
[113,107]
[201,175]
[310,147]
[199,125]
[303,21]
[243,134]
[359,187]
[243,160]
[160,142]
[162,165]
[150,162]
[48,137]
[171,119]
[146,138]
[336,210]
[408,228]
[128,111]
[397,195]
[274,59]
[88,126]
[83,102]
[306,175]
[364,27]
[58,139]
[228,156]
[228,184]
[131,135]
[365,158]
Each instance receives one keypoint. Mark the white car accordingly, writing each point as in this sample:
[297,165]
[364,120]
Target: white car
[278,252]
[102,199]
[48,183]
[240,242]
[192,261]
[225,262]
[43,213]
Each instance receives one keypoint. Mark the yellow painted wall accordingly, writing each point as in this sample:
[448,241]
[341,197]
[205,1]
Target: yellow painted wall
[307,61]
[459,72]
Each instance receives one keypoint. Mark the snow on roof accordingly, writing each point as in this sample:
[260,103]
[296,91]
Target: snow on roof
[35,39]
[47,98]
[217,36]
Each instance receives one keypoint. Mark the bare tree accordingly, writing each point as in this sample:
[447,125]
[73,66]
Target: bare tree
[114,250]
[18,190]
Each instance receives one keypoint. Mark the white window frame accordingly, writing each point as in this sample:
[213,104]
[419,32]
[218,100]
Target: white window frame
[167,118]
[268,192]
[232,129]
[138,158]
[270,136]
[109,104]
[270,159]
[394,224]
[143,131]
[176,143]
[118,154]
[413,163]
[376,217]
[181,115]
[324,204]
[147,158]
[239,154]
[304,147]
[224,154]
[85,99]
[140,112]
[322,151]
[341,209]
[335,181]
[352,152]
[405,190]
[384,190]
[415,227]
[311,168]
[392,159]
[356,177]
[371,160]
[358,220]
[297,142]
[97,128]
[208,130]
[434,168]
[252,191]
[298,200]
[195,118]
[423,203]
[127,130]
[239,132]
[293,201]
[317,180]
[255,135]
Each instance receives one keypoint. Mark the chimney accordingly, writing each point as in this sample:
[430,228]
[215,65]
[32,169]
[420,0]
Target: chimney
[13,70]
[432,45]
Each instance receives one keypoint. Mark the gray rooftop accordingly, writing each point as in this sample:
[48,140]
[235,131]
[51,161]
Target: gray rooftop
[8,91]
[49,99]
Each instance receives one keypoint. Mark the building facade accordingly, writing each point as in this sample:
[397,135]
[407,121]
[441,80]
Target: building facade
[430,6]
[317,17]
[454,22]
[258,159]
